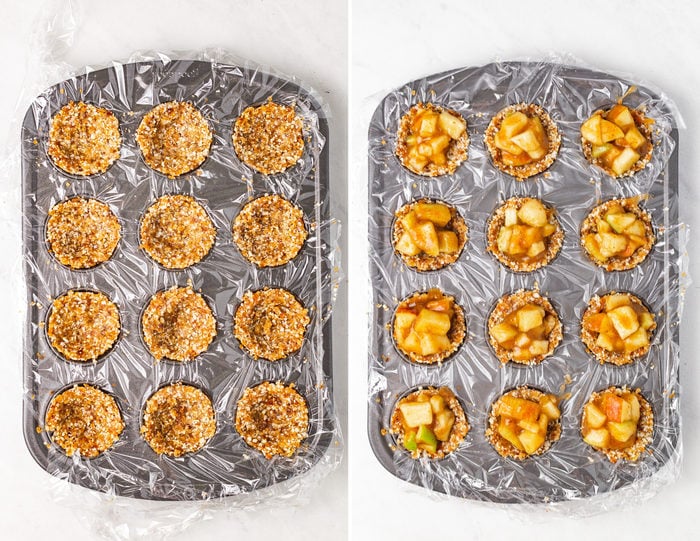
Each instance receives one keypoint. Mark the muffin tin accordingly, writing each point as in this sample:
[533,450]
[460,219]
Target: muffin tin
[226,465]
[570,469]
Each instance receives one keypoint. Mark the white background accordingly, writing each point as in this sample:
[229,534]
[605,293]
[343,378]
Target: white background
[401,41]
[306,39]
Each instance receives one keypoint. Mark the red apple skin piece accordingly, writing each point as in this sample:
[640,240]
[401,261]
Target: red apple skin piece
[612,405]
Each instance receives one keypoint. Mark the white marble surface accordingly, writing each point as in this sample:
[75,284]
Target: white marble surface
[306,39]
[398,41]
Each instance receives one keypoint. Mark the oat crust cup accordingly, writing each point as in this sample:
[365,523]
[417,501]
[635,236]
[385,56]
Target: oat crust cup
[599,239]
[178,324]
[273,418]
[535,166]
[450,155]
[270,323]
[82,232]
[269,138]
[84,139]
[269,231]
[178,419]
[174,138]
[504,447]
[85,420]
[544,231]
[83,325]
[423,261]
[458,432]
[644,430]
[176,231]
[520,315]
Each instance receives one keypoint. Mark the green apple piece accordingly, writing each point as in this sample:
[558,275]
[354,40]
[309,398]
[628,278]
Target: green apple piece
[620,222]
[416,414]
[409,441]
[624,162]
[427,438]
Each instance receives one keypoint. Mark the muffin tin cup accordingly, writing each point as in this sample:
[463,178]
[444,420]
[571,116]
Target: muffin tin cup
[570,469]
[225,466]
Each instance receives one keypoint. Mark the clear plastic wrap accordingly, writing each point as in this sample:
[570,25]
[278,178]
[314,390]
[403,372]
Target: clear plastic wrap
[570,470]
[221,87]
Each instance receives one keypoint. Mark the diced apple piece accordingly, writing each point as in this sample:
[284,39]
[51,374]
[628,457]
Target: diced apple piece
[616,300]
[537,154]
[590,130]
[453,125]
[539,347]
[439,158]
[600,150]
[636,228]
[611,244]
[406,246]
[605,341]
[411,343]
[598,438]
[548,229]
[594,417]
[439,143]
[503,332]
[594,321]
[430,344]
[427,438]
[531,441]
[410,220]
[506,144]
[538,128]
[404,320]
[532,212]
[511,216]
[602,226]
[447,242]
[621,116]
[543,422]
[592,247]
[551,409]
[437,213]
[409,441]
[635,138]
[550,321]
[437,402]
[530,426]
[444,421]
[425,150]
[527,140]
[646,320]
[622,431]
[536,249]
[515,160]
[616,408]
[625,320]
[508,432]
[416,414]
[620,222]
[429,321]
[636,340]
[529,317]
[428,124]
[634,405]
[523,340]
[624,161]
[503,241]
[519,408]
[440,305]
[610,131]
[513,124]
[425,237]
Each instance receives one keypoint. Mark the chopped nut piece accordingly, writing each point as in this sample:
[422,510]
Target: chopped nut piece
[523,140]
[432,140]
[176,231]
[429,422]
[269,231]
[524,422]
[178,324]
[84,139]
[85,420]
[269,137]
[82,233]
[178,419]
[83,325]
[174,138]
[270,323]
[272,418]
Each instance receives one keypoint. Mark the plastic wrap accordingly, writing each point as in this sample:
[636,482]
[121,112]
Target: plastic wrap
[570,470]
[221,88]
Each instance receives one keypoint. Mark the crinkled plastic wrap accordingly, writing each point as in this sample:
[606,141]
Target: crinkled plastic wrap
[571,469]
[221,88]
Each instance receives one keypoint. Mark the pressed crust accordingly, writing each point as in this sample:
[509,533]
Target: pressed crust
[641,163]
[176,231]
[82,232]
[84,419]
[597,305]
[84,139]
[553,243]
[178,419]
[504,447]
[270,323]
[269,137]
[456,334]
[514,301]
[83,325]
[456,152]
[272,418]
[615,263]
[178,324]
[269,231]
[521,172]
[457,434]
[645,427]
[424,262]
[174,138]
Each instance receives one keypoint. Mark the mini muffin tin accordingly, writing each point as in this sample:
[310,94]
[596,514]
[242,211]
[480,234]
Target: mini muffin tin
[570,469]
[226,465]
